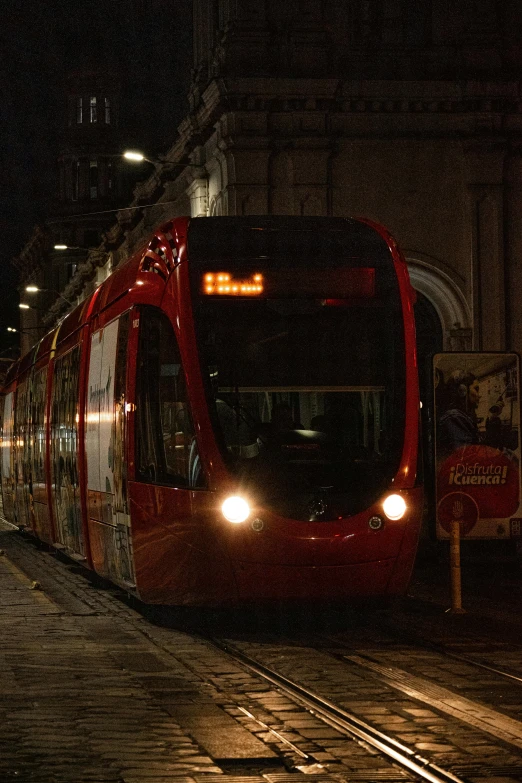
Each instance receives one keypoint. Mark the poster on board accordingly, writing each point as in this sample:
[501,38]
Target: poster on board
[477,444]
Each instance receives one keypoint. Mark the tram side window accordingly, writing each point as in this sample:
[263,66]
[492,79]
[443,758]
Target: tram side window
[166,447]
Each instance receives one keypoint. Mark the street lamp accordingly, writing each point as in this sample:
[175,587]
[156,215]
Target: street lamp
[26,329]
[33,289]
[72,247]
[138,157]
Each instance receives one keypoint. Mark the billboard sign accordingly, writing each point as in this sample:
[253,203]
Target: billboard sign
[477,444]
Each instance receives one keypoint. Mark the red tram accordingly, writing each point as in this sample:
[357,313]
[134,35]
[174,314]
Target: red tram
[231,416]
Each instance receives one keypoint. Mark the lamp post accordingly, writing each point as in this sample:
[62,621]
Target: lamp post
[25,329]
[74,247]
[138,157]
[33,289]
[134,156]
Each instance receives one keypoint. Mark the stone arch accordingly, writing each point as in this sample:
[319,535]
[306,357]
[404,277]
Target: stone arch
[447,299]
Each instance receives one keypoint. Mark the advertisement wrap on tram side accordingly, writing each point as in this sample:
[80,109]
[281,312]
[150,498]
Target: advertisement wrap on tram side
[477,444]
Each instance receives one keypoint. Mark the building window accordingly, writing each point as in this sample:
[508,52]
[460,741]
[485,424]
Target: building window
[62,187]
[75,179]
[93,179]
[79,111]
[110,178]
[93,114]
[107,111]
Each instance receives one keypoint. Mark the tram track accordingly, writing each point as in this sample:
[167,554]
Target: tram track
[345,722]
[486,720]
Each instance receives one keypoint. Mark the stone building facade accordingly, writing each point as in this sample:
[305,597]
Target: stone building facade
[406,113]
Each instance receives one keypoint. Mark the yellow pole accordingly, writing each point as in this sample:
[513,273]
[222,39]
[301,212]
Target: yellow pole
[456,584]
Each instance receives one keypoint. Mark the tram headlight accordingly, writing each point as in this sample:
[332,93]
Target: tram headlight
[235,509]
[394,507]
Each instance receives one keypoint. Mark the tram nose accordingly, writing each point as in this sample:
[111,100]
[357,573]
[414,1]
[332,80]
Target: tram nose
[319,505]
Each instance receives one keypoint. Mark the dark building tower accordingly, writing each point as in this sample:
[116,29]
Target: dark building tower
[90,173]
[90,182]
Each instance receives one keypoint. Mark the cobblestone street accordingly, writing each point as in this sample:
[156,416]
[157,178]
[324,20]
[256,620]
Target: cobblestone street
[74,695]
[93,691]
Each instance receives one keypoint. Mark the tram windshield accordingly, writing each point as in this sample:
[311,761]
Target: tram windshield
[305,378]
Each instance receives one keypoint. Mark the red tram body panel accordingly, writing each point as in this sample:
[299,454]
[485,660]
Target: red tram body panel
[231,416]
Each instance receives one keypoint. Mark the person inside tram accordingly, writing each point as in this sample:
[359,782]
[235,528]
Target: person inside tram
[236,430]
[319,423]
[283,418]
[271,433]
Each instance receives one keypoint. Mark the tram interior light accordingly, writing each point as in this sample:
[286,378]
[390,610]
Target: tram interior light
[394,507]
[235,509]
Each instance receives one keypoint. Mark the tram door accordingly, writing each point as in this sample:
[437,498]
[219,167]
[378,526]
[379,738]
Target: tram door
[8,485]
[171,543]
[42,516]
[64,452]
[22,450]
[105,446]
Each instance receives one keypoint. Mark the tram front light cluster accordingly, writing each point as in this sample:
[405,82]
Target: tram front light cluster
[394,507]
[235,509]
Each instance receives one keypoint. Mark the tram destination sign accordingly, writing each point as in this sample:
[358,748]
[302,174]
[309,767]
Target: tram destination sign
[477,444]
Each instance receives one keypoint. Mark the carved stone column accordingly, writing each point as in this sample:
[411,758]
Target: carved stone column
[197,191]
[486,231]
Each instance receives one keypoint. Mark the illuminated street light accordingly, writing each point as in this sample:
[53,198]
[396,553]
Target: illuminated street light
[71,247]
[33,289]
[138,157]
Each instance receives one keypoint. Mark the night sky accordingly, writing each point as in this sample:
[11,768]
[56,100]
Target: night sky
[147,42]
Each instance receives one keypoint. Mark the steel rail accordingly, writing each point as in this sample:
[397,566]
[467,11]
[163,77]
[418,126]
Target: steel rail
[463,659]
[411,638]
[440,650]
[343,721]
